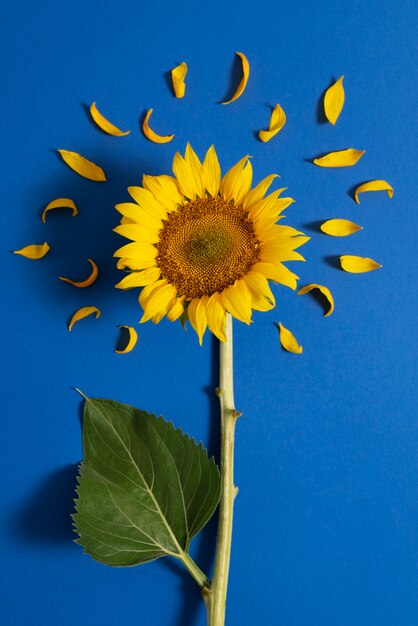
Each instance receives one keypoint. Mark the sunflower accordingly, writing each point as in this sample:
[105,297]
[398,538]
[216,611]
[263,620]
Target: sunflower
[203,246]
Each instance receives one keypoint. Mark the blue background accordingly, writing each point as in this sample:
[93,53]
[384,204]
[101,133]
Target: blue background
[326,449]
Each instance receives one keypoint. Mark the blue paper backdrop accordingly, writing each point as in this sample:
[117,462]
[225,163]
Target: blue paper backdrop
[326,449]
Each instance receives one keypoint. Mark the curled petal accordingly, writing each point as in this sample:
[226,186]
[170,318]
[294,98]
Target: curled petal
[244,79]
[85,311]
[83,166]
[178,74]
[34,250]
[105,125]
[358,264]
[334,101]
[150,134]
[88,281]
[340,228]
[342,158]
[132,339]
[373,185]
[60,203]
[289,341]
[277,121]
[325,292]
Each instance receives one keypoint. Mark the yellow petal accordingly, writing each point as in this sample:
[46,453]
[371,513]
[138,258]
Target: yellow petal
[176,310]
[105,125]
[178,74]
[135,264]
[237,181]
[334,101]
[60,203]
[340,228]
[262,298]
[278,273]
[342,158]
[358,264]
[196,167]
[139,279]
[132,339]
[277,121]
[259,191]
[159,300]
[138,251]
[149,290]
[82,313]
[237,300]
[216,316]
[373,185]
[288,340]
[150,134]
[211,172]
[197,316]
[190,184]
[138,233]
[324,290]
[244,79]
[164,190]
[83,166]
[88,281]
[147,201]
[34,251]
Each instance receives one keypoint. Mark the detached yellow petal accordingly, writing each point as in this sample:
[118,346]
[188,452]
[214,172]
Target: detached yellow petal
[334,101]
[85,311]
[244,79]
[150,134]
[60,203]
[373,185]
[104,124]
[178,74]
[83,166]
[88,281]
[34,251]
[277,121]
[342,158]
[340,228]
[358,264]
[132,339]
[324,290]
[288,340]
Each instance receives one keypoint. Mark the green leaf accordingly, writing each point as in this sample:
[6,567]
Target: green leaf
[145,488]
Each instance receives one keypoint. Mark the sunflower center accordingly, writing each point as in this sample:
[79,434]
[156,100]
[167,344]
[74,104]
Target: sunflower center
[205,246]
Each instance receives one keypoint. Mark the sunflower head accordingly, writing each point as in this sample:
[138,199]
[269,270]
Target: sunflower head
[203,246]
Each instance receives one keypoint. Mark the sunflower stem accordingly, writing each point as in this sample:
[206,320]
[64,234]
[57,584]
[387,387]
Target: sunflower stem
[215,597]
